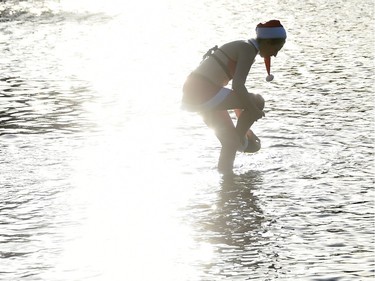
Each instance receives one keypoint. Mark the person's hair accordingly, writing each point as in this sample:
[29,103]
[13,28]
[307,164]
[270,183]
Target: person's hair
[273,41]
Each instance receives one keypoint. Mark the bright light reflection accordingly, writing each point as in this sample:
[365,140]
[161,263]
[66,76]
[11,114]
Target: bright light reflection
[128,189]
[130,201]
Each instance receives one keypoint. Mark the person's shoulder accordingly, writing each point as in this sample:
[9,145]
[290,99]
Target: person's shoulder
[241,49]
[234,44]
[240,46]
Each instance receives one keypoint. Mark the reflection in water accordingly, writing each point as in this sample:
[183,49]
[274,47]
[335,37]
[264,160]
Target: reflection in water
[237,215]
[234,227]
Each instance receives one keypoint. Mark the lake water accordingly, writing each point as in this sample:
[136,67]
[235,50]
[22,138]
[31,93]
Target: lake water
[103,177]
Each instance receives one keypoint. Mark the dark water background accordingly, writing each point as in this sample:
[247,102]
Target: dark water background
[102,177]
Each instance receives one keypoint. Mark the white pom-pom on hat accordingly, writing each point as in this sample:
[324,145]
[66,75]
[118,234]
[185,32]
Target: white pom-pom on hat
[269,77]
[267,62]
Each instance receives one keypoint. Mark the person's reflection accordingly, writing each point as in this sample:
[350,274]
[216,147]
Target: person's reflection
[237,230]
[237,215]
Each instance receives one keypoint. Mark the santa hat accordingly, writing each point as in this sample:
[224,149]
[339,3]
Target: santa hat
[272,29]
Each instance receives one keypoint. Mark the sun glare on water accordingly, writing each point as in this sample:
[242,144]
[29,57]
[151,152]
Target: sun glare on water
[124,183]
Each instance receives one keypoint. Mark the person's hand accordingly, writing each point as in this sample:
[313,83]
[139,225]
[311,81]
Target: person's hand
[258,114]
[254,110]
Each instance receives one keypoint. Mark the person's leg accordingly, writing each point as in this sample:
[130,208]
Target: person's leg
[244,122]
[225,131]
[254,143]
[245,119]
[230,136]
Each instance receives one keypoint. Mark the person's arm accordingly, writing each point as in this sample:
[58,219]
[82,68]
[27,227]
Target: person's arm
[245,58]
[250,134]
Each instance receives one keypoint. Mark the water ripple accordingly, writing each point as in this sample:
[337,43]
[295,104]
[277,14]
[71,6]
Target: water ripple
[104,178]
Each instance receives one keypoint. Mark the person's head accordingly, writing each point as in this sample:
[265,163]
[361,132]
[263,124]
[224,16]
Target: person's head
[271,38]
[270,47]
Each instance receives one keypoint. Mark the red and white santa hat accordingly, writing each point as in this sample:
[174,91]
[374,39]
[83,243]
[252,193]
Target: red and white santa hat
[272,29]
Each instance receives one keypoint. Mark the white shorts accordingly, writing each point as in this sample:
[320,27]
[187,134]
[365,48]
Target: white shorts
[211,103]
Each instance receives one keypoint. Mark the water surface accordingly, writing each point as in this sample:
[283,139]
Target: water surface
[103,177]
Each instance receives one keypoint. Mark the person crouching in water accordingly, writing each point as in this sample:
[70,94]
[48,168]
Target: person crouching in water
[204,90]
